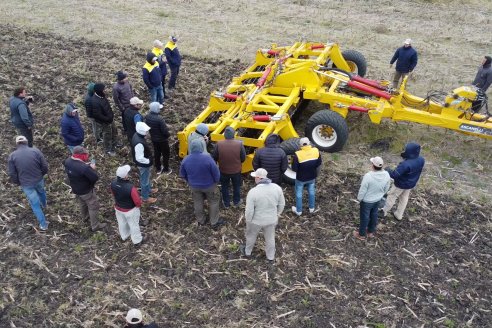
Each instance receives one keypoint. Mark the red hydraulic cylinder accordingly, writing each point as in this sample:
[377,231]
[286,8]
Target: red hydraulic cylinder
[317,46]
[261,118]
[263,78]
[358,108]
[372,83]
[369,89]
[230,96]
[273,52]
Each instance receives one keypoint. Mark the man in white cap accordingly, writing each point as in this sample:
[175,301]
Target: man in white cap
[27,168]
[134,319]
[131,116]
[127,206]
[142,156]
[306,163]
[264,204]
[406,59]
[374,186]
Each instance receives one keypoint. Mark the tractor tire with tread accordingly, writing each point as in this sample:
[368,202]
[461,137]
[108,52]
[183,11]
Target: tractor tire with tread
[356,58]
[327,130]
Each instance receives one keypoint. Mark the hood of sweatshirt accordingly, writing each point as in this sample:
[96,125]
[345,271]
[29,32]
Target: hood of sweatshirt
[272,140]
[412,150]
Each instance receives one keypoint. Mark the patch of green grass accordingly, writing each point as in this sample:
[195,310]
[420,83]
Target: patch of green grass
[78,248]
[98,237]
[234,247]
[163,14]
[449,323]
[375,325]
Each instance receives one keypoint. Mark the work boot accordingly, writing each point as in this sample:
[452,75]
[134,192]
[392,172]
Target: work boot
[98,227]
[218,224]
[242,249]
[150,200]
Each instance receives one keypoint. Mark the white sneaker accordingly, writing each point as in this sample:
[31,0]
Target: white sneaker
[313,210]
[294,210]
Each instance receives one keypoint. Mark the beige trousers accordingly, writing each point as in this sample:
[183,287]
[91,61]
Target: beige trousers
[252,231]
[396,78]
[128,224]
[393,194]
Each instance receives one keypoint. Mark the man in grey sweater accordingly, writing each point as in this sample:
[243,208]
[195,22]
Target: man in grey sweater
[374,186]
[264,204]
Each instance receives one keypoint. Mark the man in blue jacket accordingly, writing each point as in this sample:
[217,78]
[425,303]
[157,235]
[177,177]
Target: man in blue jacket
[173,60]
[406,59]
[20,114]
[405,177]
[71,128]
[152,77]
[202,175]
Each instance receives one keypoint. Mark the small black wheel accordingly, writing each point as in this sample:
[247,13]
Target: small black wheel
[327,130]
[290,146]
[356,61]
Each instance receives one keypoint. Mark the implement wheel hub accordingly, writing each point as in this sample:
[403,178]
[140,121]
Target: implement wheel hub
[324,135]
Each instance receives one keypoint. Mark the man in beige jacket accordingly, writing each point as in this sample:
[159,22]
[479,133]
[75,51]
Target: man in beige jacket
[264,203]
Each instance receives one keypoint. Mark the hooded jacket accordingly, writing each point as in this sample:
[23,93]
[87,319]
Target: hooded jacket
[406,59]
[130,117]
[71,128]
[200,132]
[151,73]
[483,79]
[375,184]
[88,99]
[158,128]
[198,168]
[407,173]
[20,114]
[272,158]
[101,109]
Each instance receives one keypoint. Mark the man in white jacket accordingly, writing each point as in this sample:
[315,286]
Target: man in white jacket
[264,203]
[374,186]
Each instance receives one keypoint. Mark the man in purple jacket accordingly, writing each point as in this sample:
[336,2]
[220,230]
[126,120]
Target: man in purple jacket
[202,175]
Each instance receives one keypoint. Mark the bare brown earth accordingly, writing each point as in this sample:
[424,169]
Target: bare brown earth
[432,269]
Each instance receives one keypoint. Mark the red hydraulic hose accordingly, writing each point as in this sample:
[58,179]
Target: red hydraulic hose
[261,118]
[263,78]
[317,46]
[273,52]
[358,109]
[372,83]
[230,96]
[369,89]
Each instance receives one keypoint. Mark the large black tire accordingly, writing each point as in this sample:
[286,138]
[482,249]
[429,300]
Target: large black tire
[290,146]
[327,130]
[356,61]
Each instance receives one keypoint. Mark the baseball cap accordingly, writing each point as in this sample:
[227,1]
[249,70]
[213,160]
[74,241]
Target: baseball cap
[408,41]
[377,161]
[80,150]
[136,101]
[260,173]
[20,139]
[304,141]
[122,171]
[134,316]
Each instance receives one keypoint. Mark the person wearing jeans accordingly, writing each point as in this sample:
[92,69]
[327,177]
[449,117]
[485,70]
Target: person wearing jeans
[26,168]
[142,157]
[230,154]
[152,77]
[306,164]
[374,186]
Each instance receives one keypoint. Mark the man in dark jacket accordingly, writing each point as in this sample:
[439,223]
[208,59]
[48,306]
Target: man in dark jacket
[202,175]
[27,167]
[122,93]
[306,162]
[131,116]
[271,158]
[483,79]
[230,154]
[142,156]
[103,115]
[152,77]
[71,128]
[161,59]
[174,61]
[82,177]
[20,114]
[406,59]
[405,177]
[88,111]
[159,134]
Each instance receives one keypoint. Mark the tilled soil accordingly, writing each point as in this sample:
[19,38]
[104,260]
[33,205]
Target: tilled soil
[431,269]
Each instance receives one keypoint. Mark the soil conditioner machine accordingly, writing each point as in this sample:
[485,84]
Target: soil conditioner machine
[269,95]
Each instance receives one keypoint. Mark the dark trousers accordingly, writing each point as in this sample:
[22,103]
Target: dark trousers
[26,132]
[174,76]
[161,149]
[164,85]
[368,217]
[236,188]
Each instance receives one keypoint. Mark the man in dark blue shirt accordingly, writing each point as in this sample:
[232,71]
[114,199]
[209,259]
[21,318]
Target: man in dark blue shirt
[406,59]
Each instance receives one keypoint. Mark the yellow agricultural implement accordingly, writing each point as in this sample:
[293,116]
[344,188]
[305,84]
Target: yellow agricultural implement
[269,94]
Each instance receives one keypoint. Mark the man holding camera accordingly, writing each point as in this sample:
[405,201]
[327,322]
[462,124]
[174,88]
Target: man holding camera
[20,114]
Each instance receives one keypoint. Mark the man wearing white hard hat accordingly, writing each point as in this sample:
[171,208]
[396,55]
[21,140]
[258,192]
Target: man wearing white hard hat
[134,319]
[406,59]
[142,156]
[374,186]
[264,204]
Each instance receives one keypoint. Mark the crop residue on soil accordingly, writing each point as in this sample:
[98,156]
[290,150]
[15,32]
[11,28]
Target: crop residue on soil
[431,269]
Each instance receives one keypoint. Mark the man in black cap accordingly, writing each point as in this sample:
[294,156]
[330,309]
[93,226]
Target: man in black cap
[173,60]
[82,177]
[122,93]
[103,115]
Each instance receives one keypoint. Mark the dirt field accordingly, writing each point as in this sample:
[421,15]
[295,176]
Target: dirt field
[432,270]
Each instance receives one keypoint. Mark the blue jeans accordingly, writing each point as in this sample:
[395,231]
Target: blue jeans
[236,188]
[157,94]
[144,182]
[311,188]
[368,217]
[37,199]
